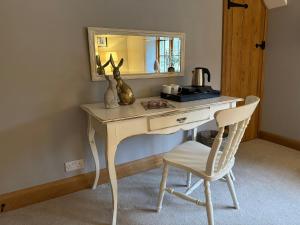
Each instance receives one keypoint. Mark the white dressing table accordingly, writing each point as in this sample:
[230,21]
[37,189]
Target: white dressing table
[128,121]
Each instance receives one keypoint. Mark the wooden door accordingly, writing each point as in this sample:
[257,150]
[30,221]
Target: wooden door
[242,61]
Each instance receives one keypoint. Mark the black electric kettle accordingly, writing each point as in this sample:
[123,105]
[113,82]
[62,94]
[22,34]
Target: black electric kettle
[199,76]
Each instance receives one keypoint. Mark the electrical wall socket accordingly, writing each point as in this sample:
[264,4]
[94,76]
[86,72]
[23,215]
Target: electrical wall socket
[74,165]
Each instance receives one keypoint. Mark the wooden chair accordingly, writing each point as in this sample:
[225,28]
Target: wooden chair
[210,164]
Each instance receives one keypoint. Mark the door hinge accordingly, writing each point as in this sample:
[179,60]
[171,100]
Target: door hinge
[234,4]
[262,45]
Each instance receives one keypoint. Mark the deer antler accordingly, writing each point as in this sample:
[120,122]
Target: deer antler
[113,62]
[98,62]
[111,59]
[120,63]
[106,64]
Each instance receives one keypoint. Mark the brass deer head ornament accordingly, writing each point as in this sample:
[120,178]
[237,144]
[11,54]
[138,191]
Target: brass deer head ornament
[100,67]
[125,93]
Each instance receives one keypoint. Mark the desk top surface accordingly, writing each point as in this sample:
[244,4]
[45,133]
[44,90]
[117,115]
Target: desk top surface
[136,110]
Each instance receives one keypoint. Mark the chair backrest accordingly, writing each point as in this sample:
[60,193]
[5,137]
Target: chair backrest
[237,119]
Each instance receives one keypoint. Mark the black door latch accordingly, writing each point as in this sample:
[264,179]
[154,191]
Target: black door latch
[262,45]
[2,207]
[234,4]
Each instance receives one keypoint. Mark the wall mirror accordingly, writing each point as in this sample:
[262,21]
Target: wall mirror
[146,54]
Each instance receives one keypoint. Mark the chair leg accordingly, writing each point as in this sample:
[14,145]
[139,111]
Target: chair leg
[232,175]
[188,179]
[209,206]
[162,186]
[232,191]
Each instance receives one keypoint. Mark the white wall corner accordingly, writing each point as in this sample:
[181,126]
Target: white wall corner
[275,3]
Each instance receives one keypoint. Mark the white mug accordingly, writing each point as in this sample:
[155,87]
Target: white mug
[175,89]
[167,89]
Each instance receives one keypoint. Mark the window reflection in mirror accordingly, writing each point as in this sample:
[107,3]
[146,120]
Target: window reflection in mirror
[140,53]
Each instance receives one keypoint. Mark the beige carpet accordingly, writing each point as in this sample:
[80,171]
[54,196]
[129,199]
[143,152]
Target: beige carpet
[268,188]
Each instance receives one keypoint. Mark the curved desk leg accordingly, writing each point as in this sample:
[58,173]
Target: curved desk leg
[111,148]
[91,135]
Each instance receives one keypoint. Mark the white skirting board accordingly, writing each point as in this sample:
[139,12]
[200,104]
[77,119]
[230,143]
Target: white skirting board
[275,3]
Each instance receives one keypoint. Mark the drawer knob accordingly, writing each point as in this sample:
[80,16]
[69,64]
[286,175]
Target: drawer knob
[181,120]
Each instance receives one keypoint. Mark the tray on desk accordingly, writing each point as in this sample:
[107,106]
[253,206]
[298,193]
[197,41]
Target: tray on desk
[190,96]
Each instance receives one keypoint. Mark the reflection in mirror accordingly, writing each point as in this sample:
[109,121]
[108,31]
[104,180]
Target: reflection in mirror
[146,54]
[141,54]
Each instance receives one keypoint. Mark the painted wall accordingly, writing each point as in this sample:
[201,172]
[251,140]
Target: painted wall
[44,77]
[281,105]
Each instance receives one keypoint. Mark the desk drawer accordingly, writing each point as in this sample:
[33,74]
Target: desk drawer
[179,118]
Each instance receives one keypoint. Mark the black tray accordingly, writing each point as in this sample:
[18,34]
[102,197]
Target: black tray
[190,96]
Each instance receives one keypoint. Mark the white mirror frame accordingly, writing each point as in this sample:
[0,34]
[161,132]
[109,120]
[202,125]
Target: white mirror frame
[92,31]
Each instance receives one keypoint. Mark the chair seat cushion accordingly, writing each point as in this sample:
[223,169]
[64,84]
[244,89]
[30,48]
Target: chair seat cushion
[191,156]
